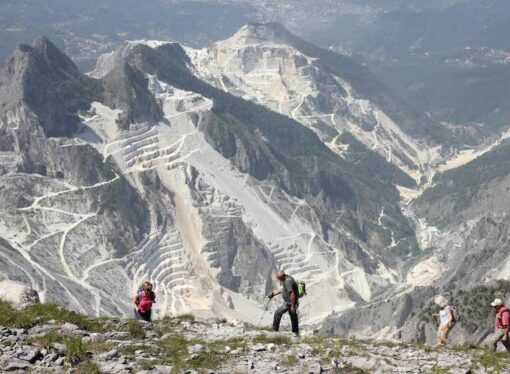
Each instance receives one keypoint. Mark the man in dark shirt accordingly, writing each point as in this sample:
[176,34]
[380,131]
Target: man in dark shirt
[289,291]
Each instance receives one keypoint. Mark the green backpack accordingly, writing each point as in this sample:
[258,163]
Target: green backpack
[301,287]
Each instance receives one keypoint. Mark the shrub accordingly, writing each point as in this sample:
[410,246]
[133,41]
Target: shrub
[136,330]
[75,350]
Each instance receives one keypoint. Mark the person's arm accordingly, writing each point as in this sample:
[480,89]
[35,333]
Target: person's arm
[506,319]
[135,302]
[293,298]
[276,292]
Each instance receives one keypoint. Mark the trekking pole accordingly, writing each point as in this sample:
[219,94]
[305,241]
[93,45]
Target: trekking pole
[265,310]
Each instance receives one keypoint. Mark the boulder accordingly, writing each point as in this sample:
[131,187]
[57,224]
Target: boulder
[19,295]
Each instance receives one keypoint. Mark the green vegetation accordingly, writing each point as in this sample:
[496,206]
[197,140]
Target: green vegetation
[374,163]
[289,360]
[76,351]
[81,88]
[41,313]
[275,339]
[496,361]
[136,330]
[472,304]
[126,88]
[47,340]
[87,368]
[185,318]
[462,187]
[7,343]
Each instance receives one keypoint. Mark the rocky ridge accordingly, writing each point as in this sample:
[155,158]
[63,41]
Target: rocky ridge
[67,342]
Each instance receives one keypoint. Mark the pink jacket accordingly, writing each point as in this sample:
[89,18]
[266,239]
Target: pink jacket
[502,318]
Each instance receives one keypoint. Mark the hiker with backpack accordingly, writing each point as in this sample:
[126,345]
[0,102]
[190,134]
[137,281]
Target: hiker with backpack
[290,293]
[447,318]
[501,324]
[144,299]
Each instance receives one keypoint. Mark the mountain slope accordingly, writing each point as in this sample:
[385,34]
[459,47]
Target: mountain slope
[168,178]
[327,92]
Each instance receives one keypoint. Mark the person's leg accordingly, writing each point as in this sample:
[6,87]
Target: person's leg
[278,316]
[441,335]
[496,339]
[506,344]
[146,316]
[447,332]
[295,322]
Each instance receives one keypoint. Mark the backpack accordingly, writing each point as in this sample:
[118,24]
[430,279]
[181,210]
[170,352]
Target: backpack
[301,286]
[455,314]
[500,315]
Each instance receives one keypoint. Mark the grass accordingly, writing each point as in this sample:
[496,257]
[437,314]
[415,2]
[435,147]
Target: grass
[174,352]
[47,340]
[496,361]
[7,343]
[174,349]
[87,368]
[275,339]
[186,318]
[76,350]
[289,360]
[135,329]
[41,313]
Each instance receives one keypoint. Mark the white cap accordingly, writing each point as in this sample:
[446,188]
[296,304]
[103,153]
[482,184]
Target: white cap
[497,302]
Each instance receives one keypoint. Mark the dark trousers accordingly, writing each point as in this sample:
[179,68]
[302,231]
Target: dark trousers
[143,316]
[278,314]
[497,339]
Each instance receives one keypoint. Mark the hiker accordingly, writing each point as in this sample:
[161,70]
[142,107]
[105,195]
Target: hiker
[289,291]
[501,324]
[446,320]
[144,299]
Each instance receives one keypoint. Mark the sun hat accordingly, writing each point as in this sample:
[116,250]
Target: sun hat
[497,302]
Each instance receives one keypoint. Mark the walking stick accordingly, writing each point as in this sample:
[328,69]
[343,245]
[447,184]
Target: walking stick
[265,310]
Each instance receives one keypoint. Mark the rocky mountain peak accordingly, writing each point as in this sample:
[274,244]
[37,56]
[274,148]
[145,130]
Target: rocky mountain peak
[256,33]
[53,56]
[49,83]
[126,88]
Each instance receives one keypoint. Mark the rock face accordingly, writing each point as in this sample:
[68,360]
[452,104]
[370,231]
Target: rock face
[17,294]
[324,91]
[49,84]
[206,217]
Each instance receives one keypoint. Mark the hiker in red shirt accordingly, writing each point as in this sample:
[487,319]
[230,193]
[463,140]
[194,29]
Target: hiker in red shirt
[144,299]
[501,324]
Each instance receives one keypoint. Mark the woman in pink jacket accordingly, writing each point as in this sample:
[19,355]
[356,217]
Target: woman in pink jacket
[144,299]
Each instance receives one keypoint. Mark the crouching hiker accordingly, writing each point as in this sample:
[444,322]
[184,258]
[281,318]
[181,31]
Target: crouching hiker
[144,299]
[447,318]
[289,291]
[501,324]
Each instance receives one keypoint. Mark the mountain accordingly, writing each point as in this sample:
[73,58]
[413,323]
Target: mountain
[325,91]
[145,171]
[183,166]
[465,224]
